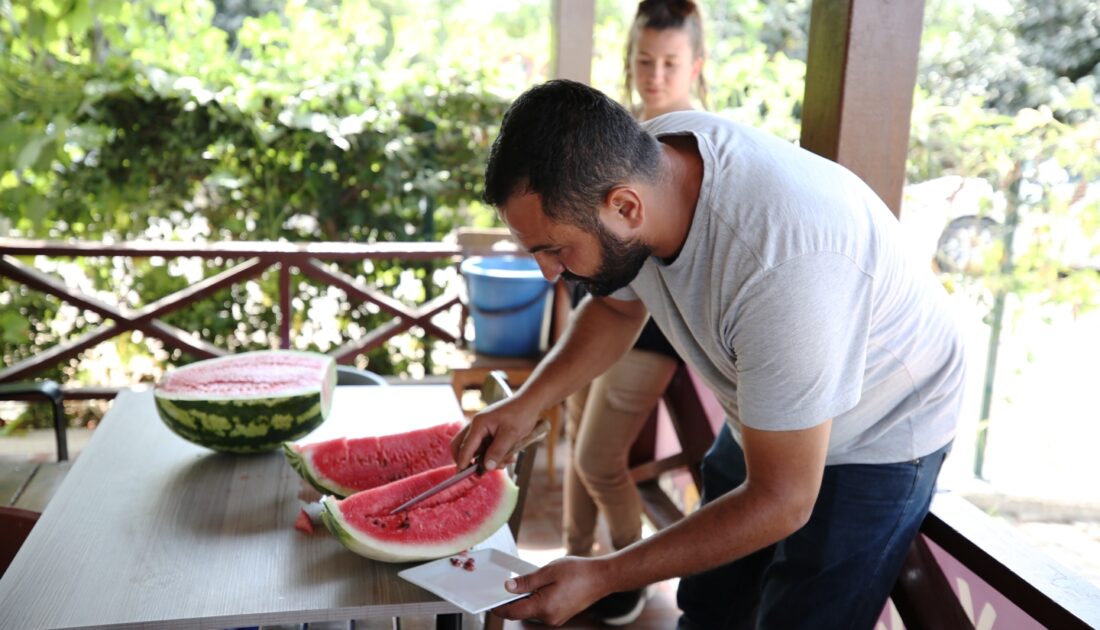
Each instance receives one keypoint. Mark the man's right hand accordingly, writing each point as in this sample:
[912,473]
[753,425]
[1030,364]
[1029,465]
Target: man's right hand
[498,427]
[601,330]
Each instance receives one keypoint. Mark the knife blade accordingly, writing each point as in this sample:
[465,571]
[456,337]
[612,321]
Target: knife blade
[542,427]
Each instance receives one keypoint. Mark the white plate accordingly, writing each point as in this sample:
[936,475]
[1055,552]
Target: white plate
[473,591]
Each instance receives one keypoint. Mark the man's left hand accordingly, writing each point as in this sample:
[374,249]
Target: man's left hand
[558,590]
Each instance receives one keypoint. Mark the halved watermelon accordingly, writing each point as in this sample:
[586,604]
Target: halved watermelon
[457,518]
[345,466]
[250,402]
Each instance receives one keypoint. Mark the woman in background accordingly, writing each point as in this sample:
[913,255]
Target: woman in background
[664,68]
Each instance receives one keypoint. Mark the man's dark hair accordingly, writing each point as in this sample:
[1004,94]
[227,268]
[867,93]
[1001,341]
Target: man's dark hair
[571,145]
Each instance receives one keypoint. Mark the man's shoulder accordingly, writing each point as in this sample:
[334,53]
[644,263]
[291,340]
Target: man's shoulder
[687,121]
[726,136]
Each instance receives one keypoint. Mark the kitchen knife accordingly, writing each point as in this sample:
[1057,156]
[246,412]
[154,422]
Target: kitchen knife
[536,434]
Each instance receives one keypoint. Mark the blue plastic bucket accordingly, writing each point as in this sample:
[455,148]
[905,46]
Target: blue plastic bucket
[507,302]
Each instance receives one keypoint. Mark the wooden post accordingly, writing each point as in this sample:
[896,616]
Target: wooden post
[860,74]
[574,25]
[285,315]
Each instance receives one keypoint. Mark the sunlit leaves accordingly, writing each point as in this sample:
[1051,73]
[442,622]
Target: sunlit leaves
[307,122]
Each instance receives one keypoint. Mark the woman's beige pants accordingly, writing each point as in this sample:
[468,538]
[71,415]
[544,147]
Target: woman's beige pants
[603,420]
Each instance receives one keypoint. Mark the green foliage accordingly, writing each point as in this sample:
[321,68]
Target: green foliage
[148,120]
[1012,54]
[1045,195]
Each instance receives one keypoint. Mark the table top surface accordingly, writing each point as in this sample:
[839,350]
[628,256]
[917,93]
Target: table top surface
[150,530]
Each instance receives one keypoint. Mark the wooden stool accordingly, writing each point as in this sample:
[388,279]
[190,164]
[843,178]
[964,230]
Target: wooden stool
[477,367]
[470,371]
[695,434]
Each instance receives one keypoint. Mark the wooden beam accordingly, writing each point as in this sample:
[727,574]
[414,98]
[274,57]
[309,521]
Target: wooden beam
[574,24]
[1034,582]
[861,71]
[386,303]
[144,319]
[292,253]
[922,594]
[284,306]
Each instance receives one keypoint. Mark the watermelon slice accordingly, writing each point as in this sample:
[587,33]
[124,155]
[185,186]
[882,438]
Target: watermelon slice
[250,402]
[303,523]
[345,466]
[445,524]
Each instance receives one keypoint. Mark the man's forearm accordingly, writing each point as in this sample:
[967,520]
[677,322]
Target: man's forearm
[730,528]
[784,477]
[597,335]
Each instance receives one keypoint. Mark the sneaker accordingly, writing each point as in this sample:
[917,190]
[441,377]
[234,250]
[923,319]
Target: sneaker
[619,609]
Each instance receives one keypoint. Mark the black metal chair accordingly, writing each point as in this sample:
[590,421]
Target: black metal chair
[51,392]
[347,375]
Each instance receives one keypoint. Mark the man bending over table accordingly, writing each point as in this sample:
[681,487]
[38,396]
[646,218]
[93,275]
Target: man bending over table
[779,276]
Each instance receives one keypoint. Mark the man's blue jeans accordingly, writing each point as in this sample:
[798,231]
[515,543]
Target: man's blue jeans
[835,572]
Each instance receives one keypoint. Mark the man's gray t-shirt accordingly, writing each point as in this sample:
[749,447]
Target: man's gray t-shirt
[794,300]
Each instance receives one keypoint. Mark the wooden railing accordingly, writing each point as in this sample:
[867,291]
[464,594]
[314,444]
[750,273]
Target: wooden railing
[1026,588]
[255,258]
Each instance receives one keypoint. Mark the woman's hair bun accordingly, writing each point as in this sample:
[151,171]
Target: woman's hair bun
[678,9]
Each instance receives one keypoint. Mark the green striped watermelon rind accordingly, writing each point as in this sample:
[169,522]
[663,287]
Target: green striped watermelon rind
[248,423]
[384,551]
[299,463]
[236,426]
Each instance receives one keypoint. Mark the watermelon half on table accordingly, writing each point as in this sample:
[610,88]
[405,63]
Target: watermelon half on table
[444,524]
[250,402]
[344,466]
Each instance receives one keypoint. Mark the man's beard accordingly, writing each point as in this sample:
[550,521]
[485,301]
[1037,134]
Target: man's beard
[622,260]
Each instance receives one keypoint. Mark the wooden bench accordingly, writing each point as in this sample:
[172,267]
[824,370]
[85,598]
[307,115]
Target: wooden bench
[695,434]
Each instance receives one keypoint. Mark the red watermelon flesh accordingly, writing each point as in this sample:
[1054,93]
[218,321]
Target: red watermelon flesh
[303,523]
[257,374]
[344,466]
[444,524]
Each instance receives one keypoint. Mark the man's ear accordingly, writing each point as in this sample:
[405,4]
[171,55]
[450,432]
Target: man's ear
[623,206]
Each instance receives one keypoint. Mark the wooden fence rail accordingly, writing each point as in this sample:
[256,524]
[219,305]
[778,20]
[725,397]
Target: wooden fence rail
[256,258]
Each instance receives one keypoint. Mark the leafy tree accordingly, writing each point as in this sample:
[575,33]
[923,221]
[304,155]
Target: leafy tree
[150,120]
[1012,55]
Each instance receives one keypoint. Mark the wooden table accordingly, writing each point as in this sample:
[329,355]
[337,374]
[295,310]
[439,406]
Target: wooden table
[150,530]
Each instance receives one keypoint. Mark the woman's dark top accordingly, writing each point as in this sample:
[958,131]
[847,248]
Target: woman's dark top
[651,337]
